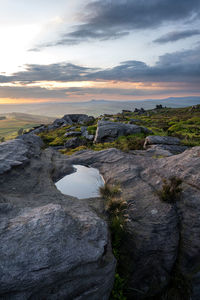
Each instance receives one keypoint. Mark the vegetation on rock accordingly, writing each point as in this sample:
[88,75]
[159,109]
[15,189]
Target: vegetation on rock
[116,208]
[171,190]
[183,123]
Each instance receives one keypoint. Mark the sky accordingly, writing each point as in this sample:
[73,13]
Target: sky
[78,50]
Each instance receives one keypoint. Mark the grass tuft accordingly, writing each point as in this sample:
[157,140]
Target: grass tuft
[108,191]
[171,190]
[116,208]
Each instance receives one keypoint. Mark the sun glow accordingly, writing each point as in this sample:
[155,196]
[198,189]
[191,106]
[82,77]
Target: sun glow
[56,85]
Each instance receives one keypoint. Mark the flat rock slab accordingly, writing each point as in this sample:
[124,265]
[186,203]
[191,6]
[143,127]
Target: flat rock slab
[45,250]
[164,140]
[164,144]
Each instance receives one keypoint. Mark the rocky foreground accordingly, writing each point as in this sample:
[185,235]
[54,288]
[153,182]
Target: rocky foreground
[58,247]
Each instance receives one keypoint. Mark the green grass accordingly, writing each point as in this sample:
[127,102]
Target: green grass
[10,127]
[55,137]
[183,123]
[92,129]
[14,121]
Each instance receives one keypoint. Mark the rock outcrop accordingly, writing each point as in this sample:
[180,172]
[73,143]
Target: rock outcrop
[58,247]
[73,133]
[164,239]
[74,143]
[18,151]
[70,120]
[52,246]
[108,131]
[165,144]
[49,252]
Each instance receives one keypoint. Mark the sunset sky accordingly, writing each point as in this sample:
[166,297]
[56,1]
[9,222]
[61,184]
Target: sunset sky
[80,50]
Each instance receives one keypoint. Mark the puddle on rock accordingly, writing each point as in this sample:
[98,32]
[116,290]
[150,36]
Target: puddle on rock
[84,183]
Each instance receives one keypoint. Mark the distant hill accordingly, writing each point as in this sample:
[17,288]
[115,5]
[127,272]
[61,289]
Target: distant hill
[30,118]
[95,107]
[10,123]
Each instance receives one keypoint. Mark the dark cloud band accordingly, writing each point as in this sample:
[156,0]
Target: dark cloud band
[176,35]
[111,19]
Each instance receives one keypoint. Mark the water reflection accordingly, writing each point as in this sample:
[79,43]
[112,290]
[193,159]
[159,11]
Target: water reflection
[84,183]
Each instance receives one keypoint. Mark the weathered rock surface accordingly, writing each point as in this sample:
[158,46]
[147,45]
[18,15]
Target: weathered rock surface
[85,133]
[108,131]
[52,246]
[45,250]
[164,239]
[164,140]
[16,152]
[72,133]
[74,143]
[57,247]
[164,143]
[173,149]
[81,118]
[71,119]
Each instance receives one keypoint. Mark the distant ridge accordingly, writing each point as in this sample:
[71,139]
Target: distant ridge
[95,107]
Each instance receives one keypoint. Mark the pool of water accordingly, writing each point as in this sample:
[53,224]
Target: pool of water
[84,183]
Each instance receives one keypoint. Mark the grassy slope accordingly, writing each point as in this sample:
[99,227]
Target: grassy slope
[13,122]
[180,122]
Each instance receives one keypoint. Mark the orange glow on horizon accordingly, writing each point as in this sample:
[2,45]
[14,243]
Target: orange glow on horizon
[23,101]
[126,85]
[88,97]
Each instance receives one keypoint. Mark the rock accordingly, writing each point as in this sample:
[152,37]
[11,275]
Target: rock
[74,143]
[72,133]
[173,149]
[71,128]
[5,207]
[159,106]
[38,129]
[85,134]
[88,136]
[58,247]
[83,129]
[166,140]
[139,111]
[126,111]
[18,151]
[195,108]
[81,118]
[70,120]
[66,120]
[132,121]
[164,239]
[49,250]
[108,131]
[154,152]
[52,246]
[164,143]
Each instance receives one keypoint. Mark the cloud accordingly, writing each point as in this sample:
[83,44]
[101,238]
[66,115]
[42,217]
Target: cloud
[5,79]
[130,92]
[176,35]
[181,66]
[52,72]
[111,19]
[38,93]
[31,93]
